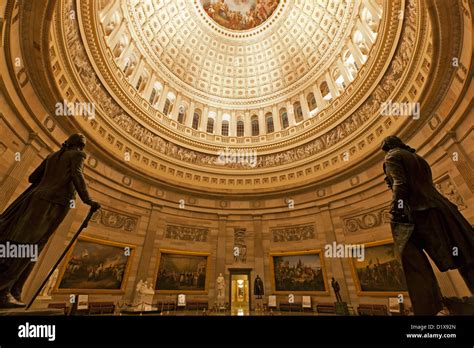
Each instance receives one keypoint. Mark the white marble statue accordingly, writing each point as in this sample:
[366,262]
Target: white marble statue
[144,296]
[48,288]
[220,286]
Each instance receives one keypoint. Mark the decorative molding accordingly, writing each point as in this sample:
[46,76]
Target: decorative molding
[293,233]
[367,220]
[113,219]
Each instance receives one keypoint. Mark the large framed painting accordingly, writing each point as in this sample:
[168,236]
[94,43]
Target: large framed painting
[380,273]
[182,272]
[300,272]
[95,266]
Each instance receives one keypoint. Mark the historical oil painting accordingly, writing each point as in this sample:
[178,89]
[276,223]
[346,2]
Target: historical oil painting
[96,266]
[380,273]
[299,272]
[183,272]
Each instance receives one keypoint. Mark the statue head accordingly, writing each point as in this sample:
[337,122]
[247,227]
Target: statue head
[392,142]
[75,141]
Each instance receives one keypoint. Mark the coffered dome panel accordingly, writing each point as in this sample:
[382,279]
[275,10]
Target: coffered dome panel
[179,42]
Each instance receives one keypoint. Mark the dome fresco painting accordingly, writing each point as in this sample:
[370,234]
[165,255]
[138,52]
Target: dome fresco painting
[239,14]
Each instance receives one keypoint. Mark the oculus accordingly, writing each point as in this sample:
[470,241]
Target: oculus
[239,14]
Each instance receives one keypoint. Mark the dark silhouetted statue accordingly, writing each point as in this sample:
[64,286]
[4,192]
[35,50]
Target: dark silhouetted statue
[337,289]
[422,219]
[34,216]
[258,289]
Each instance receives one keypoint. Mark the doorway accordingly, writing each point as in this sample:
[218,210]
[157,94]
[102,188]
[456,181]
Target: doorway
[240,292]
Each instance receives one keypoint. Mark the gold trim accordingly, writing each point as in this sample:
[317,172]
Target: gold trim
[57,290]
[356,277]
[306,252]
[182,252]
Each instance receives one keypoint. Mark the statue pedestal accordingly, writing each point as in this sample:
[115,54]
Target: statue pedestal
[258,304]
[144,302]
[341,308]
[43,298]
[220,302]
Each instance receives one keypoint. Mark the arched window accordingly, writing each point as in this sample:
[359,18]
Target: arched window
[298,112]
[181,114]
[339,80]
[326,93]
[196,119]
[255,127]
[168,106]
[359,41]
[225,127]
[130,65]
[240,128]
[350,63]
[127,63]
[120,46]
[155,93]
[210,125]
[284,118]
[269,122]
[152,96]
[139,83]
[311,101]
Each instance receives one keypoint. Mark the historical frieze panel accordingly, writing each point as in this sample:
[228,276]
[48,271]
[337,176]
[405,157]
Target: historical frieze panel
[240,245]
[188,233]
[113,219]
[448,189]
[293,233]
[367,220]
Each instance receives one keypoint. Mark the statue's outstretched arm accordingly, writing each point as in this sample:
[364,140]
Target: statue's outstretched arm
[77,164]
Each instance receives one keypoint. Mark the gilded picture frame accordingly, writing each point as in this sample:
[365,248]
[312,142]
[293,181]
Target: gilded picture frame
[170,257]
[312,256]
[395,267]
[109,270]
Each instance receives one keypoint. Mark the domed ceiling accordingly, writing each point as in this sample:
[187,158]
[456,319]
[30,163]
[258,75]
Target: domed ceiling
[176,85]
[186,47]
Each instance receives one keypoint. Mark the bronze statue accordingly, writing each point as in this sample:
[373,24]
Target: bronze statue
[337,289]
[422,219]
[34,216]
[258,289]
